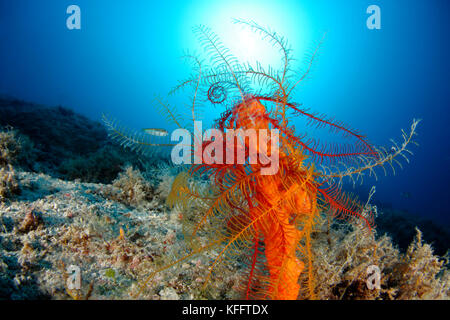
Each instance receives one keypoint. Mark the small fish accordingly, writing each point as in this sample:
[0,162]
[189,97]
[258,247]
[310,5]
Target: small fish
[156,132]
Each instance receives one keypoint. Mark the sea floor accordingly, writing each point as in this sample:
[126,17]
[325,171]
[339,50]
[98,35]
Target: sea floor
[54,224]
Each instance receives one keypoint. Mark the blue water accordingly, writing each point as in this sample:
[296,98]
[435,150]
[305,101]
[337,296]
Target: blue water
[127,51]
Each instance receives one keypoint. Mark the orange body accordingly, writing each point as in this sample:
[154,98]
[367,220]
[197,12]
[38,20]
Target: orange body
[280,253]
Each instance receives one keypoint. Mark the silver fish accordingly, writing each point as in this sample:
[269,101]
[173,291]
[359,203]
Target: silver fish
[156,132]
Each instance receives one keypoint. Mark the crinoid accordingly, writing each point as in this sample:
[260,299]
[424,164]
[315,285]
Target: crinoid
[250,210]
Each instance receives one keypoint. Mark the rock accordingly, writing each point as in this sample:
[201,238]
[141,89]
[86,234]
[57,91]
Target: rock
[169,294]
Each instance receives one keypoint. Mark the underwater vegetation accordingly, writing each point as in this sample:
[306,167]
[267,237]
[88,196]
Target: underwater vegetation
[130,188]
[10,150]
[265,221]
